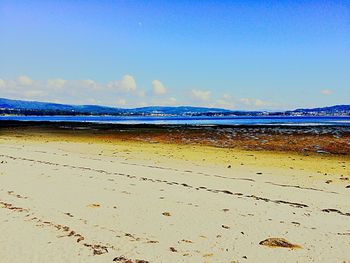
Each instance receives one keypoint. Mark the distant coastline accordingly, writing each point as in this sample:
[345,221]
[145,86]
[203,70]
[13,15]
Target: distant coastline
[196,121]
[33,108]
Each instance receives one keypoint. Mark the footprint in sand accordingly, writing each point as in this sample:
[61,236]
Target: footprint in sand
[94,205]
[186,241]
[69,214]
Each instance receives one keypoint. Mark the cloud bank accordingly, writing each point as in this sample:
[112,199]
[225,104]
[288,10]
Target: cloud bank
[122,92]
[158,88]
[200,95]
[326,92]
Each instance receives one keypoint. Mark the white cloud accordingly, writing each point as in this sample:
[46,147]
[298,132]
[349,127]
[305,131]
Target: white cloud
[72,91]
[173,100]
[158,87]
[326,92]
[201,95]
[24,80]
[88,82]
[142,104]
[166,102]
[126,84]
[222,104]
[140,93]
[88,91]
[121,102]
[258,103]
[56,83]
[113,85]
[253,102]
[91,101]
[2,83]
[34,94]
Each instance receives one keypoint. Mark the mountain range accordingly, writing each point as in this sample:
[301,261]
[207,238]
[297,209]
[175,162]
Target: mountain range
[21,107]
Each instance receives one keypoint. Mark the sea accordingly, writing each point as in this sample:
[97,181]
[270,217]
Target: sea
[190,120]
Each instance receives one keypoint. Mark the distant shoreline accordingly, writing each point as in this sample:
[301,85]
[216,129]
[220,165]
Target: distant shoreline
[32,108]
[109,125]
[192,120]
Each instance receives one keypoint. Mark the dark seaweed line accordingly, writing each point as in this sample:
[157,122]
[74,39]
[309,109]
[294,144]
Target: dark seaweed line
[293,204]
[332,210]
[160,167]
[300,187]
[189,171]
[209,175]
[230,178]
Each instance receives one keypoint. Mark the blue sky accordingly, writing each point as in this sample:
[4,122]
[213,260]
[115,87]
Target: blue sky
[231,54]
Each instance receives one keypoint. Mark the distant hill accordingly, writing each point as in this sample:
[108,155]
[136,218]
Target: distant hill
[20,107]
[29,107]
[180,110]
[8,106]
[337,109]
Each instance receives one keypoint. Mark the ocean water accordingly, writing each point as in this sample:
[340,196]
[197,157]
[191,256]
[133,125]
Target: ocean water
[232,120]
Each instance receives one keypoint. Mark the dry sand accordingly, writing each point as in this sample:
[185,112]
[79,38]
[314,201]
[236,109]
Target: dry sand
[74,199]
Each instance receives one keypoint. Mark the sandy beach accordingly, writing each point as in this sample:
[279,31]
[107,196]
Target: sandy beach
[174,131]
[67,197]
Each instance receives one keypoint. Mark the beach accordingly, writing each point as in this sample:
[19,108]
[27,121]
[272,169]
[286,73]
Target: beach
[89,195]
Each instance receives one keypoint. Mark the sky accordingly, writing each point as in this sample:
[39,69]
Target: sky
[243,55]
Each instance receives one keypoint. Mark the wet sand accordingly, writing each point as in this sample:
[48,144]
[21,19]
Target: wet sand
[82,196]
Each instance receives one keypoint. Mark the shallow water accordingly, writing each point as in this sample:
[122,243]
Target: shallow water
[232,120]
